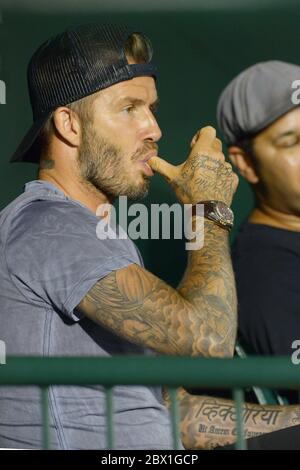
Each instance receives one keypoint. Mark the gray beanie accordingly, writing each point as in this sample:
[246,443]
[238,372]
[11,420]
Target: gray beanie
[255,99]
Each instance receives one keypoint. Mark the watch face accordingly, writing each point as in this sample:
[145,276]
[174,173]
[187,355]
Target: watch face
[224,212]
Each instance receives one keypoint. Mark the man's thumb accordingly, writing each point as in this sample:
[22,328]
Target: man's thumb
[163,168]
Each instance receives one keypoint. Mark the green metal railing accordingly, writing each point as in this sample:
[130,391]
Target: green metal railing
[171,372]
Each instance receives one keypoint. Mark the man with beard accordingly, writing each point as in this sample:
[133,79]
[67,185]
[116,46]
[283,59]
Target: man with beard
[65,292]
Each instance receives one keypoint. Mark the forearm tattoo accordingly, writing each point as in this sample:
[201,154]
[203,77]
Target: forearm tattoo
[209,422]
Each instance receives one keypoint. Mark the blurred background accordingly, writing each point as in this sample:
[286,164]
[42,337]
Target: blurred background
[199,46]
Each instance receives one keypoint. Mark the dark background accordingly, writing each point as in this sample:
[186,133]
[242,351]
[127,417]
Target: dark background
[197,53]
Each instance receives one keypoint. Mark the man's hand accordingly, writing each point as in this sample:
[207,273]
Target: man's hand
[204,175]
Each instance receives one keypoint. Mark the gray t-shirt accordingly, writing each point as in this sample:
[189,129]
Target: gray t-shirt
[50,257]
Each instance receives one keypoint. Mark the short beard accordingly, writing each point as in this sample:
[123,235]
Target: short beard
[102,165]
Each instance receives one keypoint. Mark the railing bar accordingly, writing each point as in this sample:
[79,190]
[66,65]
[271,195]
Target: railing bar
[238,397]
[45,418]
[219,373]
[110,437]
[175,418]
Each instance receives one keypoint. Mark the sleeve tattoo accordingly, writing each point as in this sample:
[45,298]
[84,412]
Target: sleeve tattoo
[199,318]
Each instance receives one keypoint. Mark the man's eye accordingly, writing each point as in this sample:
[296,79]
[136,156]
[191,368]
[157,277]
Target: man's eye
[289,142]
[154,109]
[129,109]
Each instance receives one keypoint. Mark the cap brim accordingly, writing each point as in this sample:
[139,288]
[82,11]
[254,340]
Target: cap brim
[23,152]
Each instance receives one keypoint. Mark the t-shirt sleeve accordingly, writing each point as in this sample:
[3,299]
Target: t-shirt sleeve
[54,256]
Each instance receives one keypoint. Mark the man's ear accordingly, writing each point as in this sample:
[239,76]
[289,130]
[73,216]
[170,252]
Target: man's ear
[67,125]
[243,164]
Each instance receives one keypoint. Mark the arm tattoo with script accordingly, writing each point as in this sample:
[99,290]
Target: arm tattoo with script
[210,422]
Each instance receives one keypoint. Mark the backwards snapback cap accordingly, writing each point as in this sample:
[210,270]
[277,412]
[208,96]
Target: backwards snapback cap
[255,99]
[75,64]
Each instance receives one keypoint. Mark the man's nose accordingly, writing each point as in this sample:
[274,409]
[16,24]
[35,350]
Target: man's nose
[153,132]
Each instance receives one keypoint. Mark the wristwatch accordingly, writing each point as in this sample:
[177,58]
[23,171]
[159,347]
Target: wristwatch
[217,211]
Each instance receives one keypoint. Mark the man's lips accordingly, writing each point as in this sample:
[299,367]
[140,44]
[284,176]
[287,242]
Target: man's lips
[146,167]
[149,155]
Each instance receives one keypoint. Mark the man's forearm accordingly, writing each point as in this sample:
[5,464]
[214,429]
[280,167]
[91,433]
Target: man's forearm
[208,422]
[209,285]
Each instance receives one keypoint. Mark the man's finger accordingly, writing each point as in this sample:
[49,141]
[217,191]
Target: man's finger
[205,140]
[207,135]
[194,139]
[163,168]
[217,145]
[235,181]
